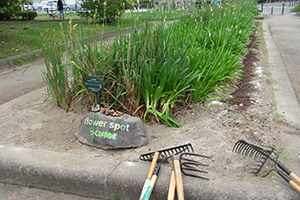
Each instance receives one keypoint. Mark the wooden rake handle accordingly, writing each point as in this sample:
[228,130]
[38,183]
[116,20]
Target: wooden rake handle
[171,192]
[149,176]
[290,173]
[178,178]
[289,180]
[295,178]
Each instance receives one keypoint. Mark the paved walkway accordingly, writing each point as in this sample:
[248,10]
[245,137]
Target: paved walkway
[15,192]
[281,33]
[285,31]
[284,55]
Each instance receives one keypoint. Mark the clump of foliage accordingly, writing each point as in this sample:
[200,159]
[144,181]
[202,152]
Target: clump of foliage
[105,10]
[296,8]
[10,9]
[156,69]
[26,15]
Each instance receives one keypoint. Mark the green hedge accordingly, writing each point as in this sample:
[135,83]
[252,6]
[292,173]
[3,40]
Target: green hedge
[144,1]
[24,15]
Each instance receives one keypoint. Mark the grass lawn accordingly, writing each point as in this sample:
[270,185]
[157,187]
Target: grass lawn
[68,15]
[18,37]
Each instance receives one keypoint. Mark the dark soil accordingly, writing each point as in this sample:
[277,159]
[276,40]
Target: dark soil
[241,96]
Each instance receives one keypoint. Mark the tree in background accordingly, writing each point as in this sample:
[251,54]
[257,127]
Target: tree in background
[8,9]
[107,10]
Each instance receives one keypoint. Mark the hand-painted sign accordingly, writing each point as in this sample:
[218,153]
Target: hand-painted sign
[99,130]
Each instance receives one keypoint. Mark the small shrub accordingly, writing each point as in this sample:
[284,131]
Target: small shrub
[105,10]
[26,15]
[296,9]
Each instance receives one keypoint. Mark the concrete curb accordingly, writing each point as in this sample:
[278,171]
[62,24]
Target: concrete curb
[5,62]
[107,178]
[287,103]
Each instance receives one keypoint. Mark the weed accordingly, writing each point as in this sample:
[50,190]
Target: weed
[284,156]
[22,60]
[278,119]
[296,9]
[270,79]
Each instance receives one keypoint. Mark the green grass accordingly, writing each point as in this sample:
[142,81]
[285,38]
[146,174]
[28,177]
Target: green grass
[296,9]
[70,15]
[18,37]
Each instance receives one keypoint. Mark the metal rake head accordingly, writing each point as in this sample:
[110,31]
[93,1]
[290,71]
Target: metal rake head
[261,166]
[189,164]
[167,152]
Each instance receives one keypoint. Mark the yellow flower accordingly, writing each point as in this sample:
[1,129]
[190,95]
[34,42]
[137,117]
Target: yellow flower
[209,34]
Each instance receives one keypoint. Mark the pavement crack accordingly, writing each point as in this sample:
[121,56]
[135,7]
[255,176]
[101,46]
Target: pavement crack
[113,170]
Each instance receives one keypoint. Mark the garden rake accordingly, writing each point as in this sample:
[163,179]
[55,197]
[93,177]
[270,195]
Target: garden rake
[162,156]
[262,156]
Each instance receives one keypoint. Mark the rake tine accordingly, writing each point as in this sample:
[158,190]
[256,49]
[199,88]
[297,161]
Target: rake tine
[191,162]
[168,152]
[188,164]
[192,168]
[194,175]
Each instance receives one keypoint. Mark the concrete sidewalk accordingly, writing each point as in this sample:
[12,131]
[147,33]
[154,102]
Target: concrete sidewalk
[116,179]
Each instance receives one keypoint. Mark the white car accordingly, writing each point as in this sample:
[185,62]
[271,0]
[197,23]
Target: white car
[27,7]
[47,5]
[35,6]
[50,6]
[77,6]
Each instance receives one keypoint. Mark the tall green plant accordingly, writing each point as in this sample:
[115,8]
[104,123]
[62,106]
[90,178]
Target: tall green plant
[157,66]
[56,74]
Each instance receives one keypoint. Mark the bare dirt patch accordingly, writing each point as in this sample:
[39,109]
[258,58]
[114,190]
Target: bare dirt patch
[247,111]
